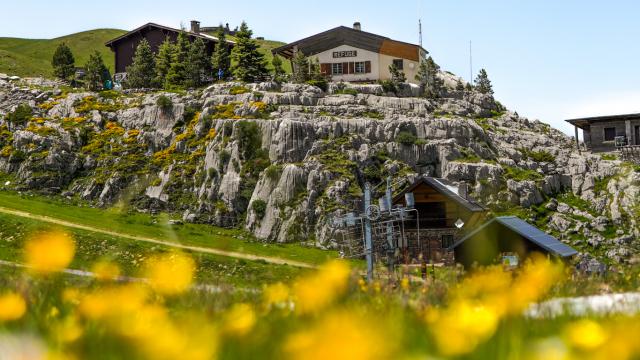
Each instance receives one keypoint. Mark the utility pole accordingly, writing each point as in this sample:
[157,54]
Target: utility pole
[367,232]
[420,31]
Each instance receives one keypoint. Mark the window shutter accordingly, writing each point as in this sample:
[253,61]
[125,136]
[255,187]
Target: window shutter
[367,67]
[352,68]
[325,69]
[345,68]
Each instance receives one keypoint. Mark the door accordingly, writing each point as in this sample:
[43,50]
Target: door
[637,134]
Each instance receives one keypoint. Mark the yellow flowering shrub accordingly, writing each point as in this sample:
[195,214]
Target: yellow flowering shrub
[316,291]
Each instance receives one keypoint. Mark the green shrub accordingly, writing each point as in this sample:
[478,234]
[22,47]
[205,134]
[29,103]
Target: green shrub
[259,207]
[406,138]
[238,89]
[273,172]
[17,156]
[537,156]
[321,83]
[388,86]
[608,157]
[164,102]
[258,95]
[519,174]
[110,94]
[373,114]
[353,92]
[468,156]
[21,115]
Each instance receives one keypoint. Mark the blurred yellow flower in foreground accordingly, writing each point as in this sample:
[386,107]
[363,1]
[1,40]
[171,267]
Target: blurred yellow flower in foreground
[316,291]
[275,294]
[239,320]
[170,273]
[49,252]
[585,334]
[106,270]
[12,307]
[340,335]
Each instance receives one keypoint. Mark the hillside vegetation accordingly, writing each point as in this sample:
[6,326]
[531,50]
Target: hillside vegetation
[32,57]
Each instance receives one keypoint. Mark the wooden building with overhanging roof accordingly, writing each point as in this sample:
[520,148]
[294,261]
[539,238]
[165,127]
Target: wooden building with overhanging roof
[125,46]
[350,54]
[445,212]
[600,133]
[507,236]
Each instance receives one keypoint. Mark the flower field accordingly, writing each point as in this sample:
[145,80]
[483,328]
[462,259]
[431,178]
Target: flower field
[331,313]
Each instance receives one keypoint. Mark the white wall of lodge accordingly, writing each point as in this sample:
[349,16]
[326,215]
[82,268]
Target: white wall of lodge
[327,57]
[379,64]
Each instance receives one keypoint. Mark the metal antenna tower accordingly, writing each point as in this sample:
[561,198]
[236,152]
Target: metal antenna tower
[420,31]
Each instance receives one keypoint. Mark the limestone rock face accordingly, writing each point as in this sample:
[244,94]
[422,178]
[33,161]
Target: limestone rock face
[281,159]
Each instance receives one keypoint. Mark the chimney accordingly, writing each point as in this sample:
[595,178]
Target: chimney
[357,26]
[463,190]
[195,26]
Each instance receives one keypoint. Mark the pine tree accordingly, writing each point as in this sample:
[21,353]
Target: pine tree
[427,75]
[141,73]
[397,76]
[63,62]
[163,62]
[249,64]
[483,84]
[278,70]
[198,65]
[177,74]
[95,72]
[220,60]
[300,68]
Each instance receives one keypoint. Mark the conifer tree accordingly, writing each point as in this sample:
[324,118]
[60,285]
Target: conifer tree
[397,76]
[483,84]
[300,68]
[198,65]
[459,85]
[249,64]
[63,62]
[163,62]
[95,72]
[221,60]
[177,74]
[430,83]
[141,73]
[278,70]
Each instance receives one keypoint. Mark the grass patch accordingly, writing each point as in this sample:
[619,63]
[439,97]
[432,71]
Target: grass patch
[519,174]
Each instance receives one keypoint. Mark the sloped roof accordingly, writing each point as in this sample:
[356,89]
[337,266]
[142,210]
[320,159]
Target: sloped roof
[446,188]
[586,121]
[527,231]
[203,36]
[343,35]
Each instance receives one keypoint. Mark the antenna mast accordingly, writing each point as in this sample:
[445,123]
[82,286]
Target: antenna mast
[420,31]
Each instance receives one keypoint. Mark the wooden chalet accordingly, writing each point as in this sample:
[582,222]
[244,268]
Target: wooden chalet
[350,54]
[507,237]
[125,46]
[445,212]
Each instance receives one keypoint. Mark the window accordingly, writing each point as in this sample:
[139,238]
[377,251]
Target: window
[337,69]
[360,69]
[609,134]
[399,63]
[447,241]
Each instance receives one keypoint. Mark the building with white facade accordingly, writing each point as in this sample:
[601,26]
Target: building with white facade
[350,54]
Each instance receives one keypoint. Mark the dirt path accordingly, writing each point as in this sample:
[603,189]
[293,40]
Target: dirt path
[198,249]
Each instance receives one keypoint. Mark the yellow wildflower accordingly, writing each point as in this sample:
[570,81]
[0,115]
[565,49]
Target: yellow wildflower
[12,307]
[318,290]
[49,252]
[239,320]
[106,270]
[340,335]
[404,284]
[274,294]
[585,334]
[170,273]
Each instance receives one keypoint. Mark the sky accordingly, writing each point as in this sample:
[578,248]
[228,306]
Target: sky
[548,59]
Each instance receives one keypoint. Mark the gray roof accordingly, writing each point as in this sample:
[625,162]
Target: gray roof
[529,232]
[446,188]
[586,121]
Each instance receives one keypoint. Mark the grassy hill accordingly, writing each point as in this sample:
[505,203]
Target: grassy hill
[32,57]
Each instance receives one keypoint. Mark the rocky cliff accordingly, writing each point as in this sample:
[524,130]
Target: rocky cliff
[281,159]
